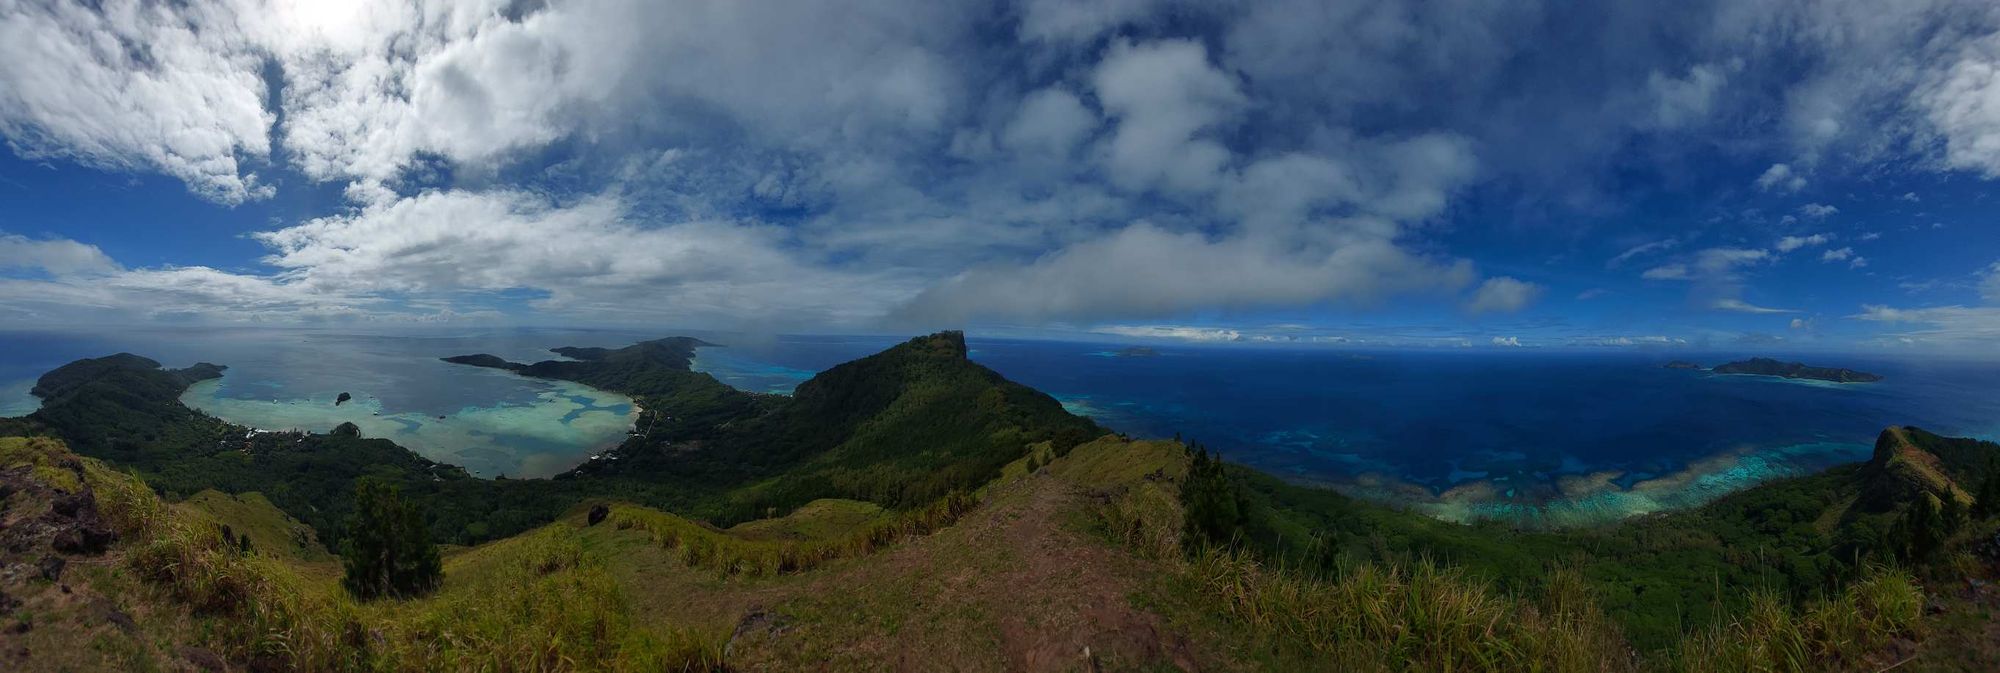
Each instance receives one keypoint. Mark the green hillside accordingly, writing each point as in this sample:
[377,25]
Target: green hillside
[912,508]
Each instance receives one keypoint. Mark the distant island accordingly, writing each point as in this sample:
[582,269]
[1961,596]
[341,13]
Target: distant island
[1682,364]
[1794,370]
[1137,352]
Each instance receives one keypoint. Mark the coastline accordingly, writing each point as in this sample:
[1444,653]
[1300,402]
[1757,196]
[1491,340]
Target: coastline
[541,438]
[1593,498]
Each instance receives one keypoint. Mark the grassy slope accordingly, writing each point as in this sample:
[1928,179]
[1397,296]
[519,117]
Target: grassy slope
[1080,555]
[270,529]
[885,419]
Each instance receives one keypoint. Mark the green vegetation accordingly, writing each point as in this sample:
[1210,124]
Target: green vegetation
[388,551]
[956,473]
[254,518]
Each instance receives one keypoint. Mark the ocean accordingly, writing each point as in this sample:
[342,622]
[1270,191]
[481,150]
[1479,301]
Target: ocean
[1532,437]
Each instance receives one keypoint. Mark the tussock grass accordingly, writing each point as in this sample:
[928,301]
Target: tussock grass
[1147,519]
[536,602]
[703,546]
[1423,617]
[1839,633]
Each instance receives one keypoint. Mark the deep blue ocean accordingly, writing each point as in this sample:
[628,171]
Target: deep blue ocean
[1524,435]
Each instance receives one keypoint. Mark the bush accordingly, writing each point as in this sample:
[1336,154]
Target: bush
[388,550]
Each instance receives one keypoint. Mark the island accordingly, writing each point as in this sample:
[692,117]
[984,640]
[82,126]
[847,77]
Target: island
[1794,370]
[344,397]
[1682,364]
[1137,352]
[483,360]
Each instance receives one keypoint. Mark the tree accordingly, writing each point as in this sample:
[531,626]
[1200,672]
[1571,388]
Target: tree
[388,550]
[1212,502]
[1921,532]
[1986,503]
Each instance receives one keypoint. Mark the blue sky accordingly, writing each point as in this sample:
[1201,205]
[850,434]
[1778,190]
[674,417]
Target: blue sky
[1766,174]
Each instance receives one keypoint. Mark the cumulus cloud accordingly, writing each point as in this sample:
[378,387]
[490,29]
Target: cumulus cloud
[1780,178]
[1959,102]
[1167,98]
[1854,261]
[1790,243]
[1989,283]
[1817,210]
[1502,294]
[1509,342]
[1050,122]
[1042,161]
[136,86]
[589,257]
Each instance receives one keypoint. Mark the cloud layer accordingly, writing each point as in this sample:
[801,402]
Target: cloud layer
[927,163]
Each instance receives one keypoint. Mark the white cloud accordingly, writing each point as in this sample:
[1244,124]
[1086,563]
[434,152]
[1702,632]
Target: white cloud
[1740,306]
[1166,98]
[1502,294]
[57,257]
[1146,271]
[1817,210]
[136,86]
[1509,342]
[1790,243]
[1034,162]
[1641,249]
[1050,122]
[1837,255]
[1780,178]
[1801,324]
[1962,101]
[1989,283]
[1683,101]
[1667,272]
[1723,261]
[589,257]
[1629,341]
[1971,328]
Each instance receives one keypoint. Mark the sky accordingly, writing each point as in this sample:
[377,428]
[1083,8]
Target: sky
[1766,174]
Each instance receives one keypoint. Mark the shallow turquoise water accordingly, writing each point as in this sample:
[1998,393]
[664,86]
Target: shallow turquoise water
[490,422]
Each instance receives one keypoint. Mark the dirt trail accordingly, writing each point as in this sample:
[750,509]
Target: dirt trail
[1010,587]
